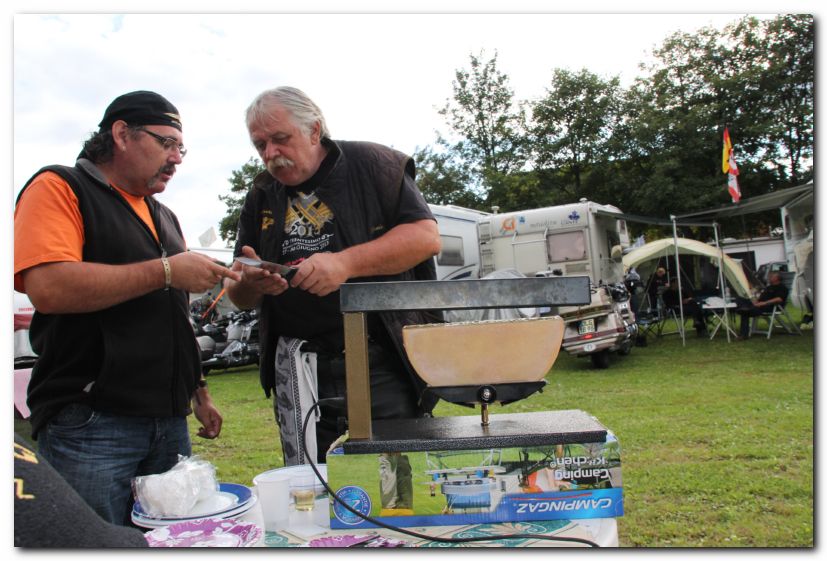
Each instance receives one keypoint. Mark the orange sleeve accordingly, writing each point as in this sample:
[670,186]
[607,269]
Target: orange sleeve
[48,226]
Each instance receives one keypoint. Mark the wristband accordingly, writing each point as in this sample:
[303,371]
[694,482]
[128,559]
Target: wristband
[167,272]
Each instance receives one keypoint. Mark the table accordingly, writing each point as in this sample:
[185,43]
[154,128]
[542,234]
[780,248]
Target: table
[303,532]
[721,314]
[601,531]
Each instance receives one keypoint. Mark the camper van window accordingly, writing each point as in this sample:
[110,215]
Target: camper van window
[451,254]
[567,246]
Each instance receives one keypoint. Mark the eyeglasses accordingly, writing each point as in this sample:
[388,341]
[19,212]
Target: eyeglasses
[167,142]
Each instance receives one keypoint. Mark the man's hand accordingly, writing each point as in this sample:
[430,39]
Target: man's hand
[399,249]
[321,274]
[207,414]
[253,282]
[195,272]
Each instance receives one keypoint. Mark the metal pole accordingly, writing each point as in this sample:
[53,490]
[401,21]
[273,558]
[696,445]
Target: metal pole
[357,376]
[678,269]
[721,278]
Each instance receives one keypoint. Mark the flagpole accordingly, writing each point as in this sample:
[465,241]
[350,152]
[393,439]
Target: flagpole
[721,279]
[678,269]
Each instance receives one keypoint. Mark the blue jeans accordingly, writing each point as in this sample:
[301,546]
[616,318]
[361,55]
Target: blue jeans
[99,454]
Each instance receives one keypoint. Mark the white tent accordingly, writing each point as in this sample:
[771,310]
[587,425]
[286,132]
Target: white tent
[666,248]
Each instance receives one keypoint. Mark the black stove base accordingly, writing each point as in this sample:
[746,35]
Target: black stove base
[541,428]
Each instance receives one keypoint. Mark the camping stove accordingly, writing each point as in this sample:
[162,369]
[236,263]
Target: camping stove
[467,363]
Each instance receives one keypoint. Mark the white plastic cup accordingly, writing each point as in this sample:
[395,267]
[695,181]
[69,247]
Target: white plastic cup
[273,489]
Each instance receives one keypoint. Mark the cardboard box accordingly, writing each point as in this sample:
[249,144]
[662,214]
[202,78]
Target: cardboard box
[456,487]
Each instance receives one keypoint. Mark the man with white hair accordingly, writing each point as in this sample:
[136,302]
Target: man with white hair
[335,211]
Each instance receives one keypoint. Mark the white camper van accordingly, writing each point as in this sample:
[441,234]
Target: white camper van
[574,239]
[580,239]
[459,257]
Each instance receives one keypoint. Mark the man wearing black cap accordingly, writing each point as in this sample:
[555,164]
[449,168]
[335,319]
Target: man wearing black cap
[106,268]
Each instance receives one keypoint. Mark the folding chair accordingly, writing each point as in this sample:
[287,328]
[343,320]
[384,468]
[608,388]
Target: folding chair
[674,314]
[648,318]
[777,317]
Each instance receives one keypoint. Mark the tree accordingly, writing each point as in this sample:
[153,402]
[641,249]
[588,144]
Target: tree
[744,77]
[443,180]
[781,59]
[652,149]
[241,181]
[490,128]
[573,123]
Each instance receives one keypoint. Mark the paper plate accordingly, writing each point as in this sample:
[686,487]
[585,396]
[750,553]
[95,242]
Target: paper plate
[208,532]
[152,523]
[230,496]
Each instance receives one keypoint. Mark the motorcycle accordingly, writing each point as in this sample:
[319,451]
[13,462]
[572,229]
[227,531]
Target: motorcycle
[230,341]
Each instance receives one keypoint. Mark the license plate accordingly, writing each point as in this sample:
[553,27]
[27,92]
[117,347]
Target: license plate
[586,326]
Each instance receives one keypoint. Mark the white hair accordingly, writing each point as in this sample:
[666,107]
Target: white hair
[305,113]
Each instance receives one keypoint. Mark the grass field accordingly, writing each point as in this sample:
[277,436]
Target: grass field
[716,437]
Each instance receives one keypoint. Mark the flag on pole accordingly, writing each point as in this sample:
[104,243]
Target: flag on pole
[727,150]
[731,168]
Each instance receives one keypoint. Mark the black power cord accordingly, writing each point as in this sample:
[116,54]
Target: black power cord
[417,534]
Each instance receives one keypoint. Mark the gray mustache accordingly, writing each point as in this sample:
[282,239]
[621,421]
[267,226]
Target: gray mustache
[282,162]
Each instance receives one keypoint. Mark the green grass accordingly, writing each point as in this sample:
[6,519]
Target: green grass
[716,437]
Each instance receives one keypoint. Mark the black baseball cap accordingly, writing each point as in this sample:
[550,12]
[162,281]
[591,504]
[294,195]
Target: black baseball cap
[141,108]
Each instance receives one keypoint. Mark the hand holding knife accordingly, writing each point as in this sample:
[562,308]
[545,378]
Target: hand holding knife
[283,270]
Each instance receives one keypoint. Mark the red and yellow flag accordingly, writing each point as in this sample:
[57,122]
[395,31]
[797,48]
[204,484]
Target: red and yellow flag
[731,168]
[727,150]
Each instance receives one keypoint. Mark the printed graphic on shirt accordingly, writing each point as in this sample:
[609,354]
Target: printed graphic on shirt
[308,228]
[266,219]
[26,455]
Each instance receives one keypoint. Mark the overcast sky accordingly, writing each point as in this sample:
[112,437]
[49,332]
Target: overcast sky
[378,77]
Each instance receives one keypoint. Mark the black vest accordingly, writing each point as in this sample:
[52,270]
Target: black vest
[138,358]
[362,191]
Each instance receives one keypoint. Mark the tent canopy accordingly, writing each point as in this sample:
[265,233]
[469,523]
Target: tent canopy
[768,201]
[666,248]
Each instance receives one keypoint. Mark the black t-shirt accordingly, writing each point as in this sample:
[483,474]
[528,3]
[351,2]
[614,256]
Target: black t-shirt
[671,298]
[311,227]
[774,291]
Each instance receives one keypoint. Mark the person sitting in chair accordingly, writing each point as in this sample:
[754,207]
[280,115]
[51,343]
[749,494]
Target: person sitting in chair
[774,293]
[657,284]
[672,299]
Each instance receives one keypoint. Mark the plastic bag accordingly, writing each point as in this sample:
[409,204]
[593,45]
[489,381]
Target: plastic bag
[175,492]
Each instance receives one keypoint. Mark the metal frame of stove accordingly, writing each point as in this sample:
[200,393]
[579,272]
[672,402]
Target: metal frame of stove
[357,299]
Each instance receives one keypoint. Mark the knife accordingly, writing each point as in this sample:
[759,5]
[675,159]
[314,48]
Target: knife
[283,270]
